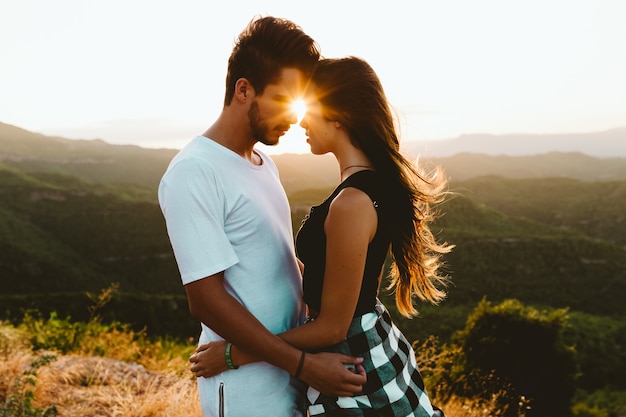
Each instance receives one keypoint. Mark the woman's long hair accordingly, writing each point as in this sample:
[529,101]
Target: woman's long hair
[351,93]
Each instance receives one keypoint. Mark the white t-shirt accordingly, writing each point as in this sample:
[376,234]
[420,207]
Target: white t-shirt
[224,213]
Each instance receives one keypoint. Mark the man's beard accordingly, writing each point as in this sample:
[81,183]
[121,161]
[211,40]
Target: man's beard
[258,127]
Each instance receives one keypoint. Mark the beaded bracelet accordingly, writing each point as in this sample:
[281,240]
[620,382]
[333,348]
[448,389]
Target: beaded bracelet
[229,360]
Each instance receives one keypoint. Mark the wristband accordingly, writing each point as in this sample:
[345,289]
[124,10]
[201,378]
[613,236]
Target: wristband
[229,360]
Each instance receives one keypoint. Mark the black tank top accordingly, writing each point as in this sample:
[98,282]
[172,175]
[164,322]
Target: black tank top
[311,243]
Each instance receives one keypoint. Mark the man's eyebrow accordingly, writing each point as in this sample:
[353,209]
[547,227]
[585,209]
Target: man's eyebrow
[282,96]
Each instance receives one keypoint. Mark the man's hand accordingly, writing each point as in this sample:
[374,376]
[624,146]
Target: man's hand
[208,359]
[327,373]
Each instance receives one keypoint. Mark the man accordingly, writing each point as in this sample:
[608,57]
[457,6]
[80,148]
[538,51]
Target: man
[229,223]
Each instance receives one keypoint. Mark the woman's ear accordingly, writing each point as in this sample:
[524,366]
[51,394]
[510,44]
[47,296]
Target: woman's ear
[337,125]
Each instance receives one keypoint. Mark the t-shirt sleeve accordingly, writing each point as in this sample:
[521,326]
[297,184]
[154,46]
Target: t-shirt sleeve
[192,202]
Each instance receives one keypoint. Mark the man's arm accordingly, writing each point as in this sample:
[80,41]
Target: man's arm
[210,303]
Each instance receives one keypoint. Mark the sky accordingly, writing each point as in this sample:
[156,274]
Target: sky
[151,72]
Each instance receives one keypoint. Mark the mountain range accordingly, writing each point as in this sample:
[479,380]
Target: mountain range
[606,144]
[98,161]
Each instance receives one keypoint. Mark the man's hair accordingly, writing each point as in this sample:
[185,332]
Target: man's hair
[264,48]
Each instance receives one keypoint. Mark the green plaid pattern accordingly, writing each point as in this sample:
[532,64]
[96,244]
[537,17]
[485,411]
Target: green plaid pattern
[394,385]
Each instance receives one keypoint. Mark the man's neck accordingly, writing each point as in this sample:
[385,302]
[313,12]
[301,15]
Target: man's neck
[234,137]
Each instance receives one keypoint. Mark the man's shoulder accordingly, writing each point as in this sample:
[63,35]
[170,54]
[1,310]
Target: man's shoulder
[189,163]
[196,155]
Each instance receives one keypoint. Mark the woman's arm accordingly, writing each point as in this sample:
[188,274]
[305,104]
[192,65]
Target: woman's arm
[350,226]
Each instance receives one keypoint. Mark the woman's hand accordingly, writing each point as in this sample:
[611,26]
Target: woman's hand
[300,266]
[208,359]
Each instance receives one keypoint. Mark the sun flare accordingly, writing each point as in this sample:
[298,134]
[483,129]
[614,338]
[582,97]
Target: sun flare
[299,107]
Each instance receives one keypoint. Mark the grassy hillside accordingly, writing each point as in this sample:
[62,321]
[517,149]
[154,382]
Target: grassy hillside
[502,255]
[80,234]
[62,238]
[512,254]
[596,209]
[60,235]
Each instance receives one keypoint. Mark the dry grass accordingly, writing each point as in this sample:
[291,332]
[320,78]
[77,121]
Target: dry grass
[137,378]
[91,386]
[465,407]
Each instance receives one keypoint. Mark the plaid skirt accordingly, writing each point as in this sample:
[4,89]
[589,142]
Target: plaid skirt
[394,385]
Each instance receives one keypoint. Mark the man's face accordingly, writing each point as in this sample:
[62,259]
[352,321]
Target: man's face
[271,114]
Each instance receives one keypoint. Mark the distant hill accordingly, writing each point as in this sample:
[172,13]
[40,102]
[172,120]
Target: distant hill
[100,162]
[300,172]
[607,144]
[91,160]
[554,164]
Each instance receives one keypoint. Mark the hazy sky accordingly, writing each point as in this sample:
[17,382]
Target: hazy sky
[151,72]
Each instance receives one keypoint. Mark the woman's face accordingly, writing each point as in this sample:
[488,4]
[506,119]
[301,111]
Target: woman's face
[320,131]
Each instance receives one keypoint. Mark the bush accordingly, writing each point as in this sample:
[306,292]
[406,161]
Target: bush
[524,348]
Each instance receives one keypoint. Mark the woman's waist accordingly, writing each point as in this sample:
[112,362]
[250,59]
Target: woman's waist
[361,332]
[362,309]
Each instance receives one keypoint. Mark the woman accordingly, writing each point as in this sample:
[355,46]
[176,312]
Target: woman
[382,205]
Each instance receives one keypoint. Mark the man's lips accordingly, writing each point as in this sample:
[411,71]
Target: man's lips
[282,129]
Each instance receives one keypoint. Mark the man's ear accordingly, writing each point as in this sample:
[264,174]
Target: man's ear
[243,90]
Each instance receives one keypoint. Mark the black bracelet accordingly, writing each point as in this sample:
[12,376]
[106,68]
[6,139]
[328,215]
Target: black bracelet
[299,369]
